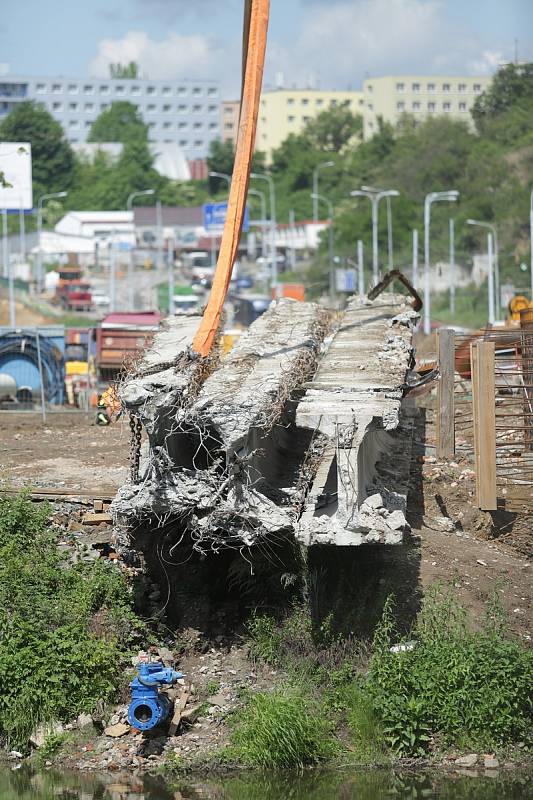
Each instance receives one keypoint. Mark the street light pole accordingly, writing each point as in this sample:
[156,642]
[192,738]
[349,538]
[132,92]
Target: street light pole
[452,266]
[262,198]
[223,175]
[433,197]
[490,253]
[375,195]
[314,195]
[531,238]
[361,270]
[415,258]
[42,199]
[490,227]
[272,193]
[170,277]
[492,250]
[325,200]
[129,207]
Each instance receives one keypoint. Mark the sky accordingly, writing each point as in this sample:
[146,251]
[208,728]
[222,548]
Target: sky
[322,43]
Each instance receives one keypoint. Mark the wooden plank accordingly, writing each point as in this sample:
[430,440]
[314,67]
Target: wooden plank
[445,394]
[487,427]
[97,518]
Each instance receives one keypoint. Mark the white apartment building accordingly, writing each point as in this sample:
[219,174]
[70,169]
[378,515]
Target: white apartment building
[420,95]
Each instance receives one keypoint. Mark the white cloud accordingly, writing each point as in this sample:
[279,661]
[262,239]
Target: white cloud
[341,42]
[176,56]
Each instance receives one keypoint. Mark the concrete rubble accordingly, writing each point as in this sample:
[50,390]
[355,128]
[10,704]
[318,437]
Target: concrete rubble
[300,430]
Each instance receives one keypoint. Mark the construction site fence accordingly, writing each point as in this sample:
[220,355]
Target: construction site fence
[485,410]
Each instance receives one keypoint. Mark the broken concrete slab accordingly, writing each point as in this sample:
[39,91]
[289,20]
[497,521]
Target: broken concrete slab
[355,400]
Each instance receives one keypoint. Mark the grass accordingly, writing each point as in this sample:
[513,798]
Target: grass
[457,687]
[63,629]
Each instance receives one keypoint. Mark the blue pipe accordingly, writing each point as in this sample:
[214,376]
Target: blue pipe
[149,706]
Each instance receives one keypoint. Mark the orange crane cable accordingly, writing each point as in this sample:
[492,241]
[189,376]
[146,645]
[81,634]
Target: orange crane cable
[256,14]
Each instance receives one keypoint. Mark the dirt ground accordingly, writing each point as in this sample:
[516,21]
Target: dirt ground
[25,316]
[68,450]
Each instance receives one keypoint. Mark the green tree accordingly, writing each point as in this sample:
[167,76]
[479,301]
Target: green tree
[121,122]
[52,157]
[118,70]
[334,129]
[220,158]
[512,84]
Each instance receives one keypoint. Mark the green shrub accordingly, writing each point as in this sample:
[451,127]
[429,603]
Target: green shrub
[52,663]
[471,688]
[282,729]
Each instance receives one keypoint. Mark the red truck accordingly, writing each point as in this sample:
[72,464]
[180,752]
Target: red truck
[121,337]
[72,292]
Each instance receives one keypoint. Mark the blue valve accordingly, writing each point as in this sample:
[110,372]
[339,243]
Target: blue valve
[148,705]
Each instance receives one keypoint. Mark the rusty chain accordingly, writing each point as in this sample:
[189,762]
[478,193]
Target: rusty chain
[135,446]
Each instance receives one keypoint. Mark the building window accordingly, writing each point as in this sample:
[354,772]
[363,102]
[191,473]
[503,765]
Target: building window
[290,101]
[462,87]
[151,108]
[212,109]
[400,106]
[290,119]
[104,89]
[74,123]
[135,90]
[166,91]
[370,106]
[228,126]
[212,91]
[182,91]
[196,91]
[213,126]
[73,88]
[57,88]
[40,88]
[167,108]
[152,125]
[167,125]
[182,109]
[431,107]
[370,88]
[462,107]
[89,107]
[319,103]
[88,123]
[306,119]
[120,89]
[416,87]
[400,87]
[72,106]
[305,101]
[182,126]
[477,88]
[88,88]
[198,142]
[446,106]
[446,87]
[198,126]
[431,87]
[57,106]
[333,102]
[103,106]
[150,90]
[197,109]
[416,106]
[184,143]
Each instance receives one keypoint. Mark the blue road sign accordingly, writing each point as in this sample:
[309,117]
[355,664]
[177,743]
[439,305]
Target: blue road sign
[215,216]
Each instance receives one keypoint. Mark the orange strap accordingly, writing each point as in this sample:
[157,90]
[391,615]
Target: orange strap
[256,14]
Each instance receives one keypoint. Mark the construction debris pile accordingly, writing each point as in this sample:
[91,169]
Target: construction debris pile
[300,431]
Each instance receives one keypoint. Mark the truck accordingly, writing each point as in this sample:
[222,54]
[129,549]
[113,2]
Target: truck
[120,338]
[72,292]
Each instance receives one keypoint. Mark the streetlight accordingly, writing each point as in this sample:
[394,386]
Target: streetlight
[531,238]
[42,199]
[491,286]
[262,198]
[316,170]
[272,193]
[129,206]
[316,198]
[224,176]
[451,196]
[375,195]
[492,229]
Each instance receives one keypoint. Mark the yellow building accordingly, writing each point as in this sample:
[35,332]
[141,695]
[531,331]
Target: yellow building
[419,95]
[229,120]
[285,111]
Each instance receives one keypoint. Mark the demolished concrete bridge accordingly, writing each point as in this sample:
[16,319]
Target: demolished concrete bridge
[302,430]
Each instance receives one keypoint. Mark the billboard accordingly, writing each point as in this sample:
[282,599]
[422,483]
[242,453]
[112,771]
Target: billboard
[215,216]
[15,176]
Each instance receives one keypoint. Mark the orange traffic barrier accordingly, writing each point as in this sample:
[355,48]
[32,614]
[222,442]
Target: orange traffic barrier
[256,13]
